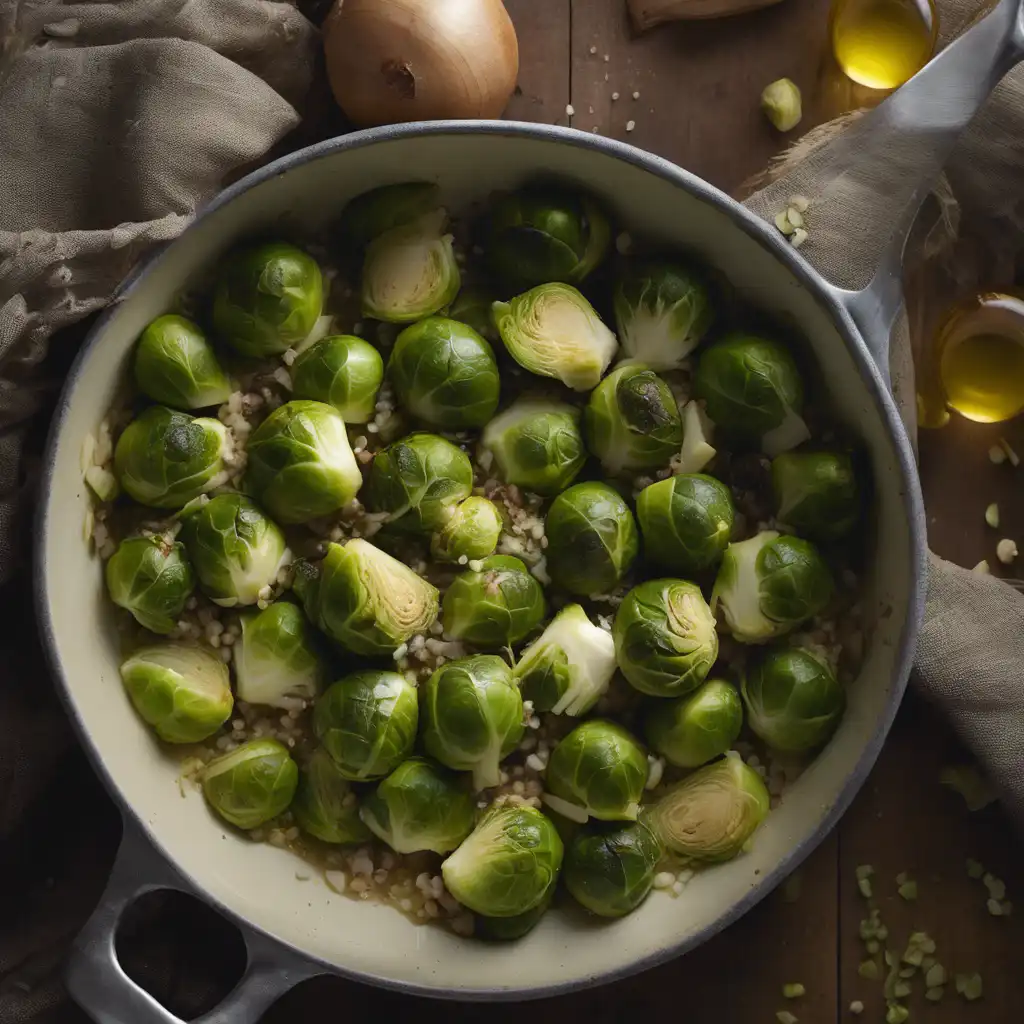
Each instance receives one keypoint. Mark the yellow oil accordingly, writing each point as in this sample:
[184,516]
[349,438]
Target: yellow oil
[882,43]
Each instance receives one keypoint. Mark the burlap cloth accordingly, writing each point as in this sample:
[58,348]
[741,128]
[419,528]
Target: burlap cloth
[116,122]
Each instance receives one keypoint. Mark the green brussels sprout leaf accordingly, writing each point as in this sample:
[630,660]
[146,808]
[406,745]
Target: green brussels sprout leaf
[325,805]
[692,730]
[176,366]
[151,578]
[610,869]
[342,371]
[495,605]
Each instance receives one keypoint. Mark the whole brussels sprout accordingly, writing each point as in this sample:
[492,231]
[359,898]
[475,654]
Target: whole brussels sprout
[665,639]
[600,769]
[176,366]
[610,870]
[325,805]
[495,605]
[471,530]
[569,668]
[251,784]
[507,865]
[151,578]
[182,691]
[685,521]
[381,209]
[367,601]
[712,813]
[444,373]
[794,702]
[472,306]
[165,458]
[592,539]
[662,313]
[817,493]
[420,806]
[553,331]
[268,298]
[367,723]
[301,465]
[342,371]
[417,480]
[692,730]
[537,445]
[632,421]
[769,584]
[472,716]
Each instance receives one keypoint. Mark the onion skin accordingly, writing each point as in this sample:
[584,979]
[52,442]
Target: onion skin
[390,61]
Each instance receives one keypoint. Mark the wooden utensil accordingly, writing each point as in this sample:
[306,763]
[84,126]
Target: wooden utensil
[646,14]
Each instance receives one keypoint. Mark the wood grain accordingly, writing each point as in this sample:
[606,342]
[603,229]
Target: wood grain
[646,14]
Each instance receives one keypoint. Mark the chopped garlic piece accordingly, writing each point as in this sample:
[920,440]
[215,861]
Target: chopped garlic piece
[796,218]
[799,237]
[996,455]
[1010,453]
[784,224]
[992,515]
[800,203]
[1006,551]
[983,567]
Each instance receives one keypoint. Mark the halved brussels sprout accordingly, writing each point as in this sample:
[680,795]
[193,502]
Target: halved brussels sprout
[342,371]
[817,493]
[769,584]
[692,730]
[420,806]
[325,805]
[553,331]
[445,374]
[176,366]
[472,716]
[569,667]
[367,601]
[794,702]
[251,784]
[367,723]
[471,530]
[151,578]
[686,522]
[495,605]
[472,306]
[507,865]
[662,312]
[592,539]
[712,813]
[165,458]
[665,639]
[632,421]
[268,298]
[417,480]
[381,209]
[537,445]
[610,869]
[301,464]
[183,691]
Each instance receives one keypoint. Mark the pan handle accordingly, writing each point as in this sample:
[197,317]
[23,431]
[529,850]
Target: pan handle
[98,984]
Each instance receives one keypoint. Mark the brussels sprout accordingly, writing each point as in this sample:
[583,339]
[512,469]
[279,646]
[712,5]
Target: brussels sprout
[251,784]
[610,870]
[381,209]
[471,530]
[553,331]
[420,806]
[569,667]
[301,465]
[712,813]
[183,691]
[367,601]
[508,929]
[165,458]
[692,730]
[343,371]
[538,235]
[685,521]
[592,539]
[445,374]
[665,639]
[268,298]
[410,271]
[367,723]
[697,451]
[794,702]
[662,313]
[417,480]
[769,584]
[537,445]
[632,420]
[472,306]
[175,365]
[151,578]
[600,769]
[472,716]
[495,605]
[817,493]
[508,864]
[276,660]
[325,805]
